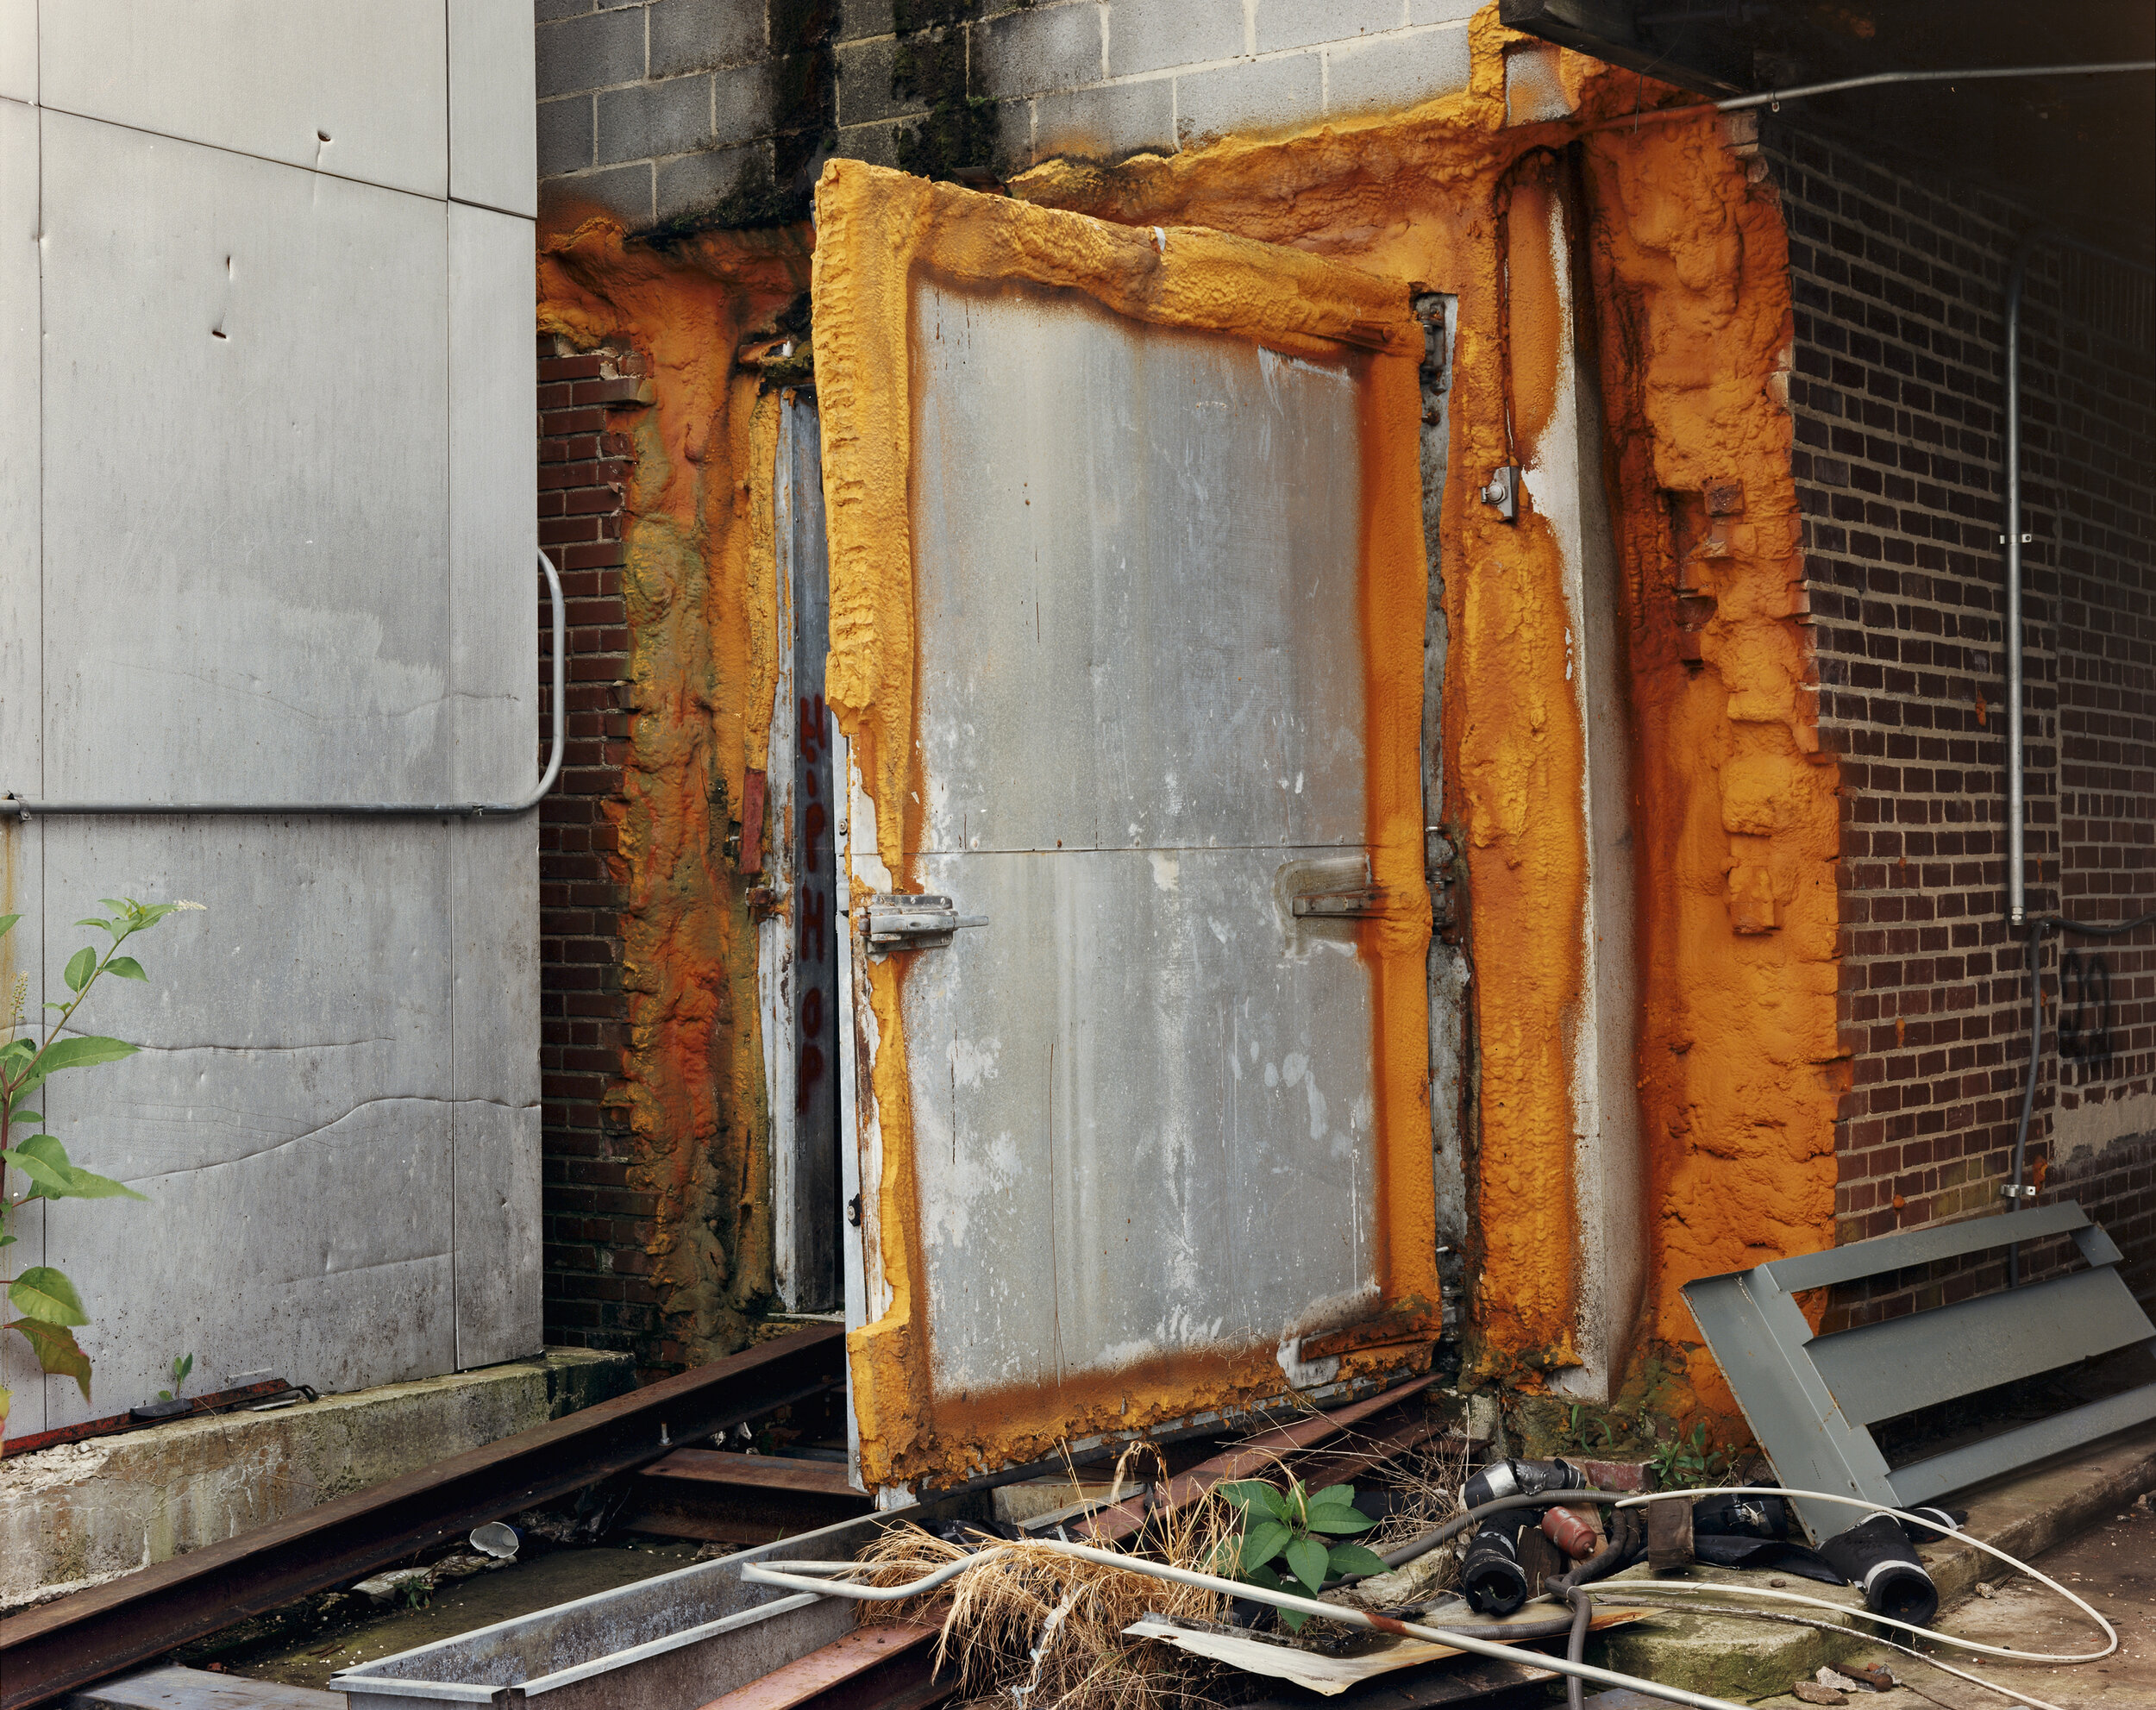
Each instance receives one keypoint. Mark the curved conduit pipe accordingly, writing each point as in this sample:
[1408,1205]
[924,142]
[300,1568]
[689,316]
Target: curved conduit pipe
[25,808]
[2016,760]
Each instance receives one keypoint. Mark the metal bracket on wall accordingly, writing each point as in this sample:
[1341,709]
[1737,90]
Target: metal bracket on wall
[24,808]
[1811,1400]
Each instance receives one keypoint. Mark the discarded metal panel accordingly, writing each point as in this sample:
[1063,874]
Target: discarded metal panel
[76,1639]
[674,1642]
[1809,1399]
[1148,1136]
[798,938]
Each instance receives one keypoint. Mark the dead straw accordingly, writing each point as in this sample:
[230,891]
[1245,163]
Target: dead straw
[1038,1630]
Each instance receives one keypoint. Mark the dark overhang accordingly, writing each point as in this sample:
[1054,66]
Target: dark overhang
[2080,151]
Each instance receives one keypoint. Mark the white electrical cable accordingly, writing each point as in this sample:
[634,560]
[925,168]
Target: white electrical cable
[1607,1588]
[797,1577]
[817,1576]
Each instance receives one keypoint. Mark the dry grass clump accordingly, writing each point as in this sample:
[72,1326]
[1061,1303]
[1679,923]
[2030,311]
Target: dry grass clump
[1039,1630]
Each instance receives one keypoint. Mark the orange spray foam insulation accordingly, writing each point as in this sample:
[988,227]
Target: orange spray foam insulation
[700,608]
[1680,258]
[1736,814]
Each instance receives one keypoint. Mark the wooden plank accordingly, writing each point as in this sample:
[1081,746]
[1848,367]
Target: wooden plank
[844,1662]
[756,1472]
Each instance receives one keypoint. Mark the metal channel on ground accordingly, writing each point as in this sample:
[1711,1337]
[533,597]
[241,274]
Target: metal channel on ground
[75,1640]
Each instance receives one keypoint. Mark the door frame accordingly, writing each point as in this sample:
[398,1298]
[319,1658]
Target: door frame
[877,232]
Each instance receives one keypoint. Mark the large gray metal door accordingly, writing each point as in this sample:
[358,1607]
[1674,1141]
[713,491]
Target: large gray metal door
[1142,1158]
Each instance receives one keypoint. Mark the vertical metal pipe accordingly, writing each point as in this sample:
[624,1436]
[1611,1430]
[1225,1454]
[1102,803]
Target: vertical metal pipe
[2016,895]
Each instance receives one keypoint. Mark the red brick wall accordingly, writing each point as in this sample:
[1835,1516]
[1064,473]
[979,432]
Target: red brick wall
[596,1227]
[1897,398]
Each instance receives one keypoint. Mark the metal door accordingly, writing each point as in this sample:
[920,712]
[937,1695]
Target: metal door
[1141,1161]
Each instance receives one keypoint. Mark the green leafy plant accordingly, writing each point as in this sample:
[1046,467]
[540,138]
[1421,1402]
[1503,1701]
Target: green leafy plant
[1685,1462]
[182,1364]
[51,1309]
[1294,1526]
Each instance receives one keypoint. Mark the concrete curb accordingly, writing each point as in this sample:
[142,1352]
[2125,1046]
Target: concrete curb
[79,1514]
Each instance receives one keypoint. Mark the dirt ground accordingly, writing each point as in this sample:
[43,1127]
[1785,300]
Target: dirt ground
[2114,1566]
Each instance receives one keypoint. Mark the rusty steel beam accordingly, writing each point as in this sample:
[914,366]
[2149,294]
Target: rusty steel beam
[891,1666]
[74,1640]
[1250,1458]
[739,1499]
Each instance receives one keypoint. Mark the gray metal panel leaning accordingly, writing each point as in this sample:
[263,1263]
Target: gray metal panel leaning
[26,809]
[1920,1247]
[1808,1398]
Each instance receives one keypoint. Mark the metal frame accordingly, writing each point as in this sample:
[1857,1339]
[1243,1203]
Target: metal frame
[1811,1399]
[26,809]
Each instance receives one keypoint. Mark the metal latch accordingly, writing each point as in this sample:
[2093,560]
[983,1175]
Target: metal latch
[916,922]
[1361,902]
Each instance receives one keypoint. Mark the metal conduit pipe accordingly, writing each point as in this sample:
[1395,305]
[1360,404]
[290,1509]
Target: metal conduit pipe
[2013,539]
[24,808]
[1773,98]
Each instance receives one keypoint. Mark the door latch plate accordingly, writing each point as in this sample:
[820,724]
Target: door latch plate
[923,922]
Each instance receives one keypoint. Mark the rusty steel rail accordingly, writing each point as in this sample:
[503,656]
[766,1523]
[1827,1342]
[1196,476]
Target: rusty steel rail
[67,1643]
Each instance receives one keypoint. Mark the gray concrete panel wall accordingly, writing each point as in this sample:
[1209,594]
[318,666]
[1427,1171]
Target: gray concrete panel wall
[266,456]
[720,111]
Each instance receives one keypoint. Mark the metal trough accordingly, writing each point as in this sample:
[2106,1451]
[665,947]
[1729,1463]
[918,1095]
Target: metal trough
[674,1642]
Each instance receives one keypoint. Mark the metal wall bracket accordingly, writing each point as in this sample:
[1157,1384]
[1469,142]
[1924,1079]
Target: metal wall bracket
[1811,1400]
[1362,902]
[1503,491]
[915,922]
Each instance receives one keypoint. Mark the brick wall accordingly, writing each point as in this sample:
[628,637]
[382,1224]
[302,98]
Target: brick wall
[722,111]
[596,1227]
[1897,398]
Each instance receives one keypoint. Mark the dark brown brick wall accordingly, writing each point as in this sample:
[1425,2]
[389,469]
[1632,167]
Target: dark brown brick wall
[597,1228]
[1898,396]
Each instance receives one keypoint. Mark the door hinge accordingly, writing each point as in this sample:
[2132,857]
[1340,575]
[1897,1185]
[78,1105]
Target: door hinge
[1360,902]
[915,922]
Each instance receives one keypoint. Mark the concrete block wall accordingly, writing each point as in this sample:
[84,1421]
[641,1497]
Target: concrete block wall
[722,111]
[1897,391]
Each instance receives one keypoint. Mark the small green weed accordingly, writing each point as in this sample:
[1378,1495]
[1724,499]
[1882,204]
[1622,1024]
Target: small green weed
[1294,1526]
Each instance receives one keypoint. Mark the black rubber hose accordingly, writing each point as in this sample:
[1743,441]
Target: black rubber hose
[1416,1548]
[1576,1645]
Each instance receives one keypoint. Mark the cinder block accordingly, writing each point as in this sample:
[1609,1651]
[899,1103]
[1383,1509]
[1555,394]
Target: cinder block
[1151,36]
[552,11]
[1401,71]
[625,191]
[745,102]
[589,53]
[564,135]
[648,119]
[1306,23]
[859,18]
[695,36]
[866,73]
[1442,11]
[1108,122]
[877,144]
[1042,47]
[1257,96]
[698,183]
